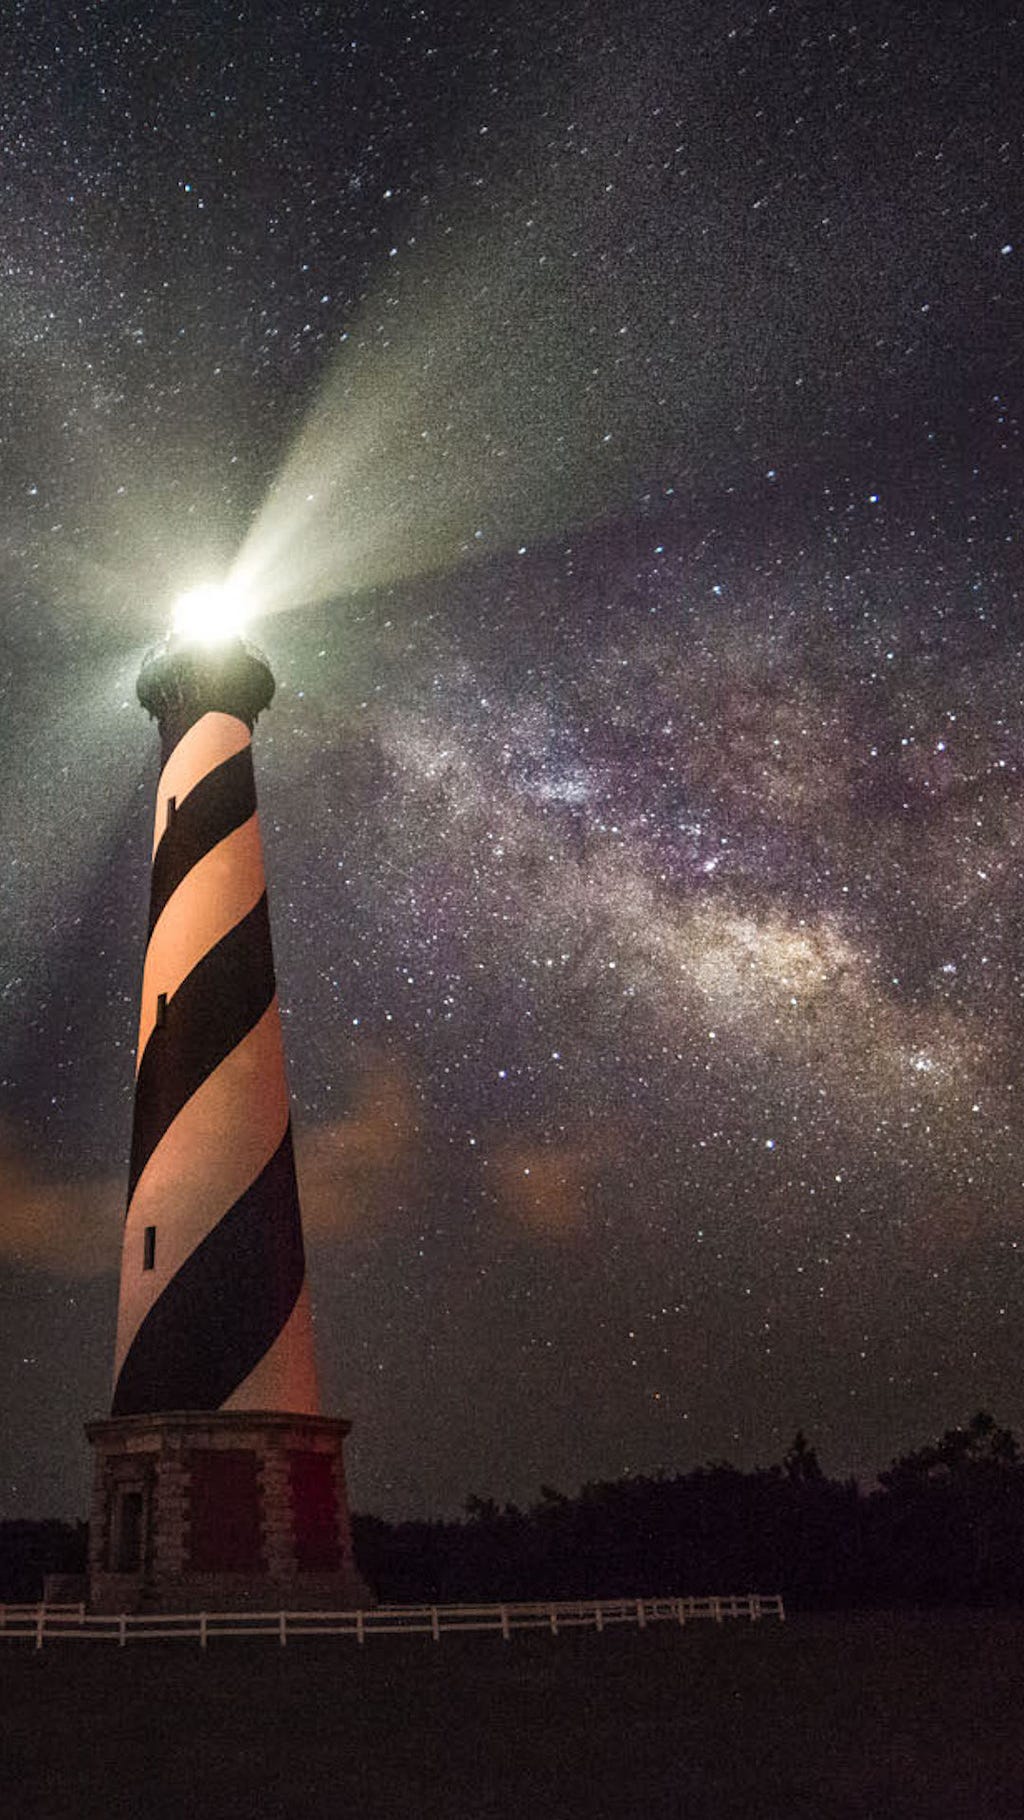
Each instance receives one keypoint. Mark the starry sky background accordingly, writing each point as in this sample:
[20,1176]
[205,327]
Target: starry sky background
[614,413]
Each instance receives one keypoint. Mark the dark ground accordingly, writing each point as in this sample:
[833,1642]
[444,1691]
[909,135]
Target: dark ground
[887,1715]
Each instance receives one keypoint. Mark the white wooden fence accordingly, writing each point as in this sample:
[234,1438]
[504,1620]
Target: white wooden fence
[43,1624]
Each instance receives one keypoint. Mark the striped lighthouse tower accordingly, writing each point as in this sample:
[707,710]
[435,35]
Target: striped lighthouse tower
[217,1476]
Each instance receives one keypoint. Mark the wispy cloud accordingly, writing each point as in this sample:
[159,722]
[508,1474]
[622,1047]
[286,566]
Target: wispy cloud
[352,1172]
[71,1227]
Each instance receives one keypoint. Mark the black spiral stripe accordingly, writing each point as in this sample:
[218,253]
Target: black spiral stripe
[222,999]
[225,1307]
[220,803]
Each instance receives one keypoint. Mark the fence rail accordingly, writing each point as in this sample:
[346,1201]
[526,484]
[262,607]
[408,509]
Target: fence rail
[41,1624]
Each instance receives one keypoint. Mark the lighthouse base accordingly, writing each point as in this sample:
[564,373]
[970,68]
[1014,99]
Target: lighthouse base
[221,1511]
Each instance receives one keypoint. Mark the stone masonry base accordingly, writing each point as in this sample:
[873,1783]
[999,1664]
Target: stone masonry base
[221,1511]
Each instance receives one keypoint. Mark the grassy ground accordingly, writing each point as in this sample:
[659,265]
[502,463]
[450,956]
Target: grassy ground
[903,1717]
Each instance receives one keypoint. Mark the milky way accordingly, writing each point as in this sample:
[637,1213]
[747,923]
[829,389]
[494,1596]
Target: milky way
[614,415]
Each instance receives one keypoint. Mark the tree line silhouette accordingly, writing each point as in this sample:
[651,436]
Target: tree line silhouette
[944,1525]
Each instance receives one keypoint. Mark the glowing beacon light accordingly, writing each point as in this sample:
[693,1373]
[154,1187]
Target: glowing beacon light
[210,614]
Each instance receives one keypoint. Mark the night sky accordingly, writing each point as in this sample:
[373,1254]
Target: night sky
[613,413]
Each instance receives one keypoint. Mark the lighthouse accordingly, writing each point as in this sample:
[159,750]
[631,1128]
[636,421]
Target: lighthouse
[219,1482]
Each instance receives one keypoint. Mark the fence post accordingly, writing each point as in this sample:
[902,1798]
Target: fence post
[435,1626]
[504,1622]
[755,1607]
[599,1616]
[122,1629]
[360,1627]
[282,1627]
[40,1625]
[681,1610]
[782,1611]
[553,1615]
[641,1615]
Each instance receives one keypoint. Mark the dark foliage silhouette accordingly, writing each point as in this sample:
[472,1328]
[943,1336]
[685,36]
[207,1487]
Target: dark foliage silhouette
[28,1551]
[944,1525]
